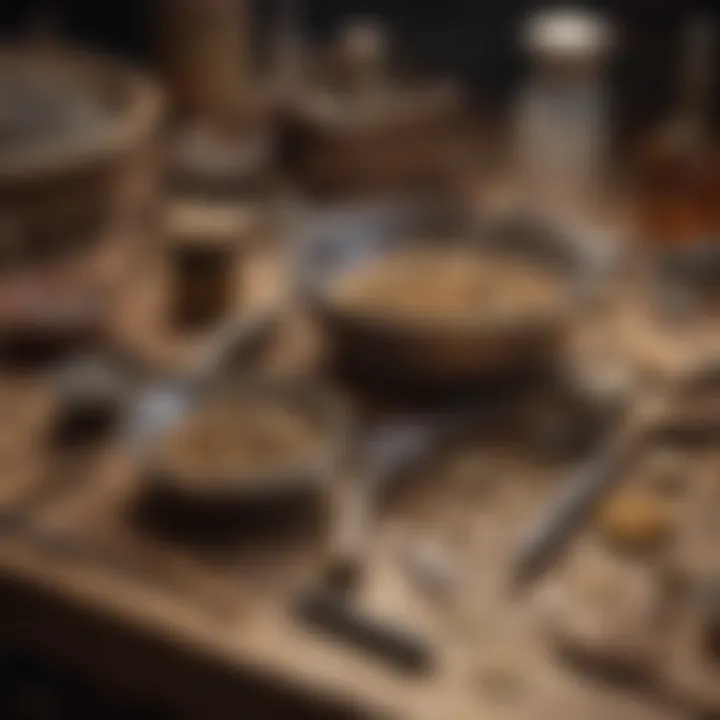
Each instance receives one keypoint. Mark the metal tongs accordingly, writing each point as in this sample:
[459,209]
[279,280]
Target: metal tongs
[383,454]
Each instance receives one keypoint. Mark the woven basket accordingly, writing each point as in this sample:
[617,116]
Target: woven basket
[53,193]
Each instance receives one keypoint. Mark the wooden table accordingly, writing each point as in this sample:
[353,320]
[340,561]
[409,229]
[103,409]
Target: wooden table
[212,634]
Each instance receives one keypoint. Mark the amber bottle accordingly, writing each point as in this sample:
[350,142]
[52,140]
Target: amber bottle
[678,179]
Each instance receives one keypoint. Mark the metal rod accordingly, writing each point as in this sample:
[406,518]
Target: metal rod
[578,499]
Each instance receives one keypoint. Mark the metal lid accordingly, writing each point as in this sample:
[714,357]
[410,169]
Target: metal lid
[567,34]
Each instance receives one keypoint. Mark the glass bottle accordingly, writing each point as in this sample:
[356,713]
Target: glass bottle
[561,121]
[678,186]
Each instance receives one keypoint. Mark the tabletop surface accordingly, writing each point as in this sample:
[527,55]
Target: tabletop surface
[232,608]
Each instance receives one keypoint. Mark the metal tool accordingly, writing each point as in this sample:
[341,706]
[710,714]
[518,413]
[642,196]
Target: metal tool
[164,403]
[332,613]
[387,453]
[99,389]
[581,496]
[653,416]
[567,515]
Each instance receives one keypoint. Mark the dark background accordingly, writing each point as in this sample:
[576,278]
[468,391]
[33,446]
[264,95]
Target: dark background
[470,38]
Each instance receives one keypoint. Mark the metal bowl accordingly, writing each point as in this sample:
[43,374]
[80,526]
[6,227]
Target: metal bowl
[431,355]
[273,497]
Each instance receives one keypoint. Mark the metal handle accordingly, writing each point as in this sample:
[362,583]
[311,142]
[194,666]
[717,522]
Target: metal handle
[569,513]
[234,339]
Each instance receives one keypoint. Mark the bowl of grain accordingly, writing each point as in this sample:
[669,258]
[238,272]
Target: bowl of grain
[407,296]
[244,454]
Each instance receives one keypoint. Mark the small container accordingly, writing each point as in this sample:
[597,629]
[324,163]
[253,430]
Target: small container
[359,131]
[204,278]
[222,146]
[202,289]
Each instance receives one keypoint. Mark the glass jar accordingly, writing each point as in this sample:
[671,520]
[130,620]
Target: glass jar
[561,129]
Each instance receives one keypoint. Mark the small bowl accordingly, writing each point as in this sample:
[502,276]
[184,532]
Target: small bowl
[270,498]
